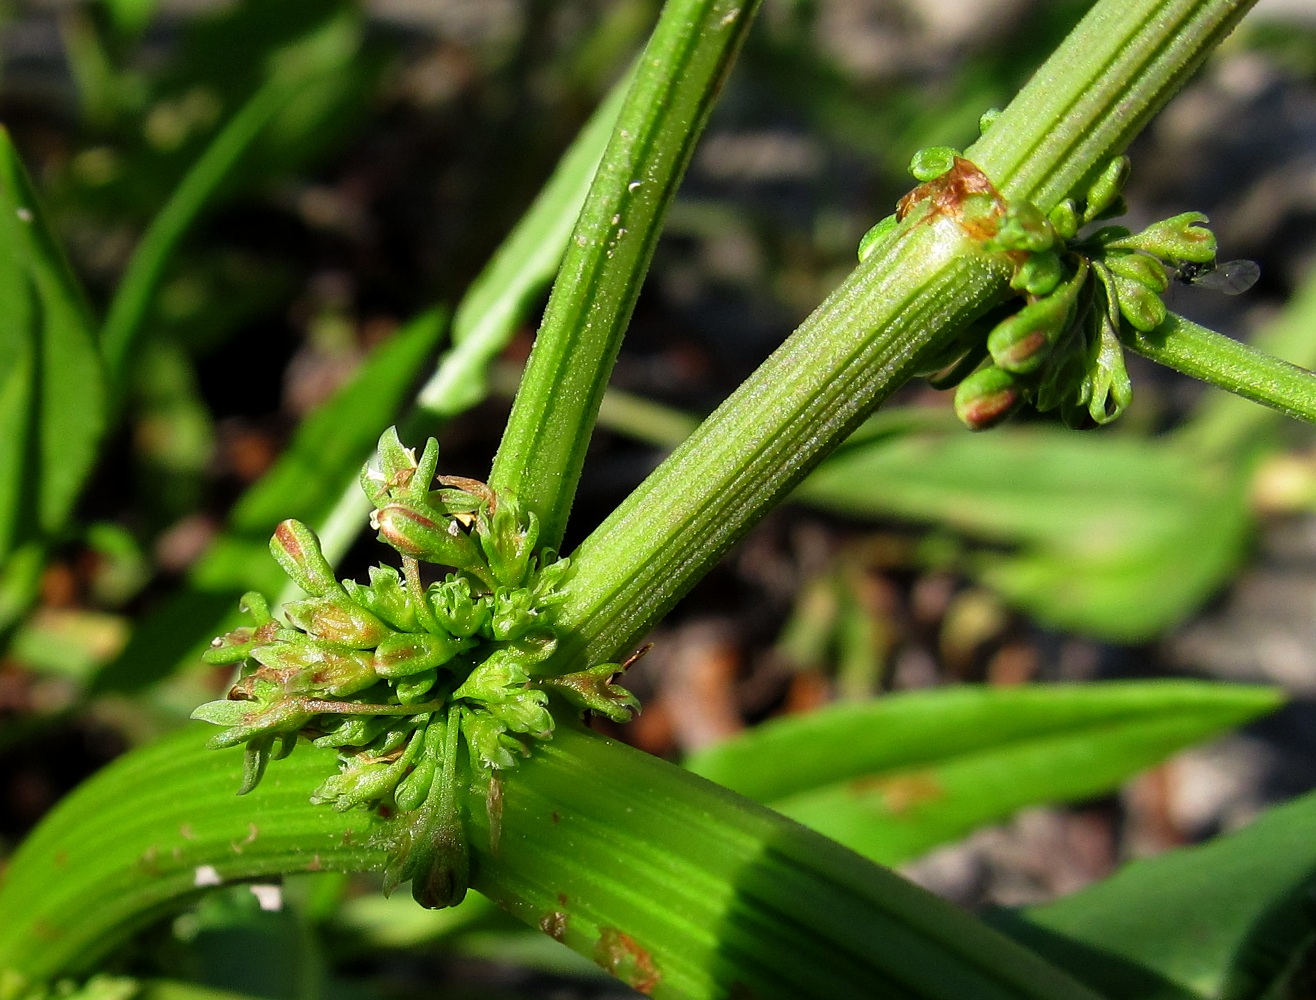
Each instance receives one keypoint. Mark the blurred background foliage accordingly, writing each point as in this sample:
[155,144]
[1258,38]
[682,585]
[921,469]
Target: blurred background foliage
[271,208]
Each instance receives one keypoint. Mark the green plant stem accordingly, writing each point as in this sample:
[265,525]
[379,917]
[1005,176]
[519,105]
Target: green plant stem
[863,342]
[854,350]
[672,883]
[1224,422]
[135,840]
[676,83]
[749,898]
[1097,91]
[498,300]
[1222,361]
[519,271]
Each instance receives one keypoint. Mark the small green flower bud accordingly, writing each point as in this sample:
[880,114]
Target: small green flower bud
[1183,237]
[499,677]
[1023,227]
[986,119]
[319,667]
[297,550]
[1064,219]
[413,789]
[508,541]
[514,613]
[1106,389]
[592,690]
[385,597]
[413,652]
[337,619]
[930,163]
[286,715]
[391,469]
[490,745]
[368,781]
[875,235]
[987,397]
[1104,193]
[1139,267]
[426,535]
[1039,274]
[222,713]
[357,786]
[352,730]
[1141,306]
[1020,343]
[551,578]
[456,609]
[525,714]
[415,688]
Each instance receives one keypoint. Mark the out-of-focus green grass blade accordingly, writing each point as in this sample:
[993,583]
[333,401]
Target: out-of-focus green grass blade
[294,74]
[52,386]
[328,450]
[519,271]
[673,884]
[130,17]
[893,777]
[1224,921]
[1115,536]
[898,775]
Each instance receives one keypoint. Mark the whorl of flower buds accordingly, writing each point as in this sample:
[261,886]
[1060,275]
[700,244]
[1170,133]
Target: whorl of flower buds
[1061,348]
[397,675]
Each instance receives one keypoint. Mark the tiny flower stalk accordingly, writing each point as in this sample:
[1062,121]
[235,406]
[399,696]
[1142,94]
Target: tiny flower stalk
[423,690]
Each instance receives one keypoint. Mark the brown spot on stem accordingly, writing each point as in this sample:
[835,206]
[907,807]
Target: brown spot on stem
[493,807]
[316,864]
[185,831]
[562,899]
[46,931]
[239,845]
[554,817]
[902,792]
[621,955]
[955,194]
[554,924]
[61,859]
[149,861]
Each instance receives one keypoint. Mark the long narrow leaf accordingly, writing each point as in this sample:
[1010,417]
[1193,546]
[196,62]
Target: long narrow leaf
[52,387]
[893,777]
[1230,919]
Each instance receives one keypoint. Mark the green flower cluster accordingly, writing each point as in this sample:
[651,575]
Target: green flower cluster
[1061,348]
[397,675]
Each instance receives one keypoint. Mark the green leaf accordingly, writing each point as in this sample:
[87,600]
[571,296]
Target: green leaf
[295,74]
[1114,536]
[893,777]
[52,387]
[1225,920]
